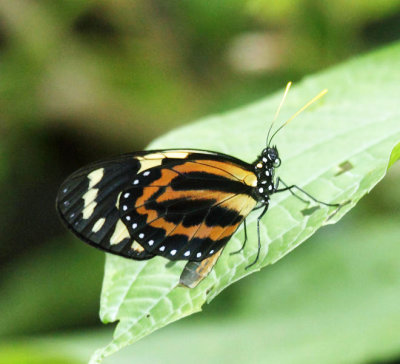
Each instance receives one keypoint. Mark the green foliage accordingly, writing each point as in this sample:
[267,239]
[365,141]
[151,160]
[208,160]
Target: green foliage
[337,289]
[356,125]
[84,80]
[395,156]
[54,274]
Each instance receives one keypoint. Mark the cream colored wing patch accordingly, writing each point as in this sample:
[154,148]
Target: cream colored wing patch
[120,233]
[155,159]
[90,196]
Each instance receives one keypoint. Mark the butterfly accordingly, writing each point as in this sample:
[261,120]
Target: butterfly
[181,204]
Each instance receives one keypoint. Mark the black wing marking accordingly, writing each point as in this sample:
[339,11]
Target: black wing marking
[88,204]
[182,214]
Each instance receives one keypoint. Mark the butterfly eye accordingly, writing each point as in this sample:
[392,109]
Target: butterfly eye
[277,163]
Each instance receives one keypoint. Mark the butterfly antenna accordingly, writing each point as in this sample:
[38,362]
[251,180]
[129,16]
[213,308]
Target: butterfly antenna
[315,98]
[289,84]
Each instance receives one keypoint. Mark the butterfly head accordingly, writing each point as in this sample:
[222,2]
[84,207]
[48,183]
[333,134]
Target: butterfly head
[270,157]
[267,162]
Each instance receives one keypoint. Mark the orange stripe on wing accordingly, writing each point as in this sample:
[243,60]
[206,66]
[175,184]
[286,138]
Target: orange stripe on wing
[171,194]
[153,219]
[236,172]
[243,205]
[189,167]
[224,169]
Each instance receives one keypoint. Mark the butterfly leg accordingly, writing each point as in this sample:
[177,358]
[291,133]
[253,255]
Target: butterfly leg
[245,240]
[258,234]
[287,188]
[290,189]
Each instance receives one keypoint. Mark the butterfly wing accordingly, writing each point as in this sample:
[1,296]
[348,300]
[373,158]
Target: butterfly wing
[181,204]
[88,204]
[188,209]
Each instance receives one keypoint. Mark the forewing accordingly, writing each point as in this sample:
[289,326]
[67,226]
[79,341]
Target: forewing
[188,209]
[88,203]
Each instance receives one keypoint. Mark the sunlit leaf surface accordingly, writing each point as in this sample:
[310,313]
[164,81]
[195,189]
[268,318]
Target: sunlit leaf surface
[337,150]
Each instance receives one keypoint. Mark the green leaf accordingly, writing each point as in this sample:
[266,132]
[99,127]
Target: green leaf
[338,288]
[337,150]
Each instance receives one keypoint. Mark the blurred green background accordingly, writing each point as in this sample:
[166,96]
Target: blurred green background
[82,80]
